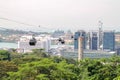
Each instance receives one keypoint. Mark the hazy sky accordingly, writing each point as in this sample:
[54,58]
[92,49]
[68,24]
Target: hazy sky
[61,14]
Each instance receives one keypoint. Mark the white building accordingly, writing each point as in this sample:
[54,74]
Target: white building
[43,42]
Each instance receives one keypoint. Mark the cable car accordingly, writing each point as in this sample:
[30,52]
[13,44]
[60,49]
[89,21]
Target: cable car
[32,42]
[61,41]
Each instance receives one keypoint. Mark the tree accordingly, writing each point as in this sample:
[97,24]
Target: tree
[45,69]
[40,53]
[5,55]
[6,66]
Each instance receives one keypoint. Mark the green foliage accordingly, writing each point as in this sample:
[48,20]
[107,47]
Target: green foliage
[98,69]
[38,65]
[44,69]
[40,53]
[6,66]
[4,55]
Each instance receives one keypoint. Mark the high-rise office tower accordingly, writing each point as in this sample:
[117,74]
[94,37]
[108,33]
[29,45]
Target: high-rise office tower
[78,34]
[93,40]
[109,40]
[100,36]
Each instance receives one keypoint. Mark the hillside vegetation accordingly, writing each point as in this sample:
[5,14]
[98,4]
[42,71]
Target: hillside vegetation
[39,65]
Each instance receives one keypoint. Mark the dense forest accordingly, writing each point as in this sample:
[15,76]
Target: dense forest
[39,65]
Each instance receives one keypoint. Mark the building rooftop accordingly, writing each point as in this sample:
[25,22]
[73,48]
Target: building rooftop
[88,54]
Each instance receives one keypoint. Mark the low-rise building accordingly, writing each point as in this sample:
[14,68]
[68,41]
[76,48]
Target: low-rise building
[88,54]
[117,37]
[43,42]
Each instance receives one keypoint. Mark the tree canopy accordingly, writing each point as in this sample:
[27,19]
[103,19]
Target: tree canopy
[38,65]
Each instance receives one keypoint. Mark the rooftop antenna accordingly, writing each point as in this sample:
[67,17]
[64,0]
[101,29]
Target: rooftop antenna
[100,24]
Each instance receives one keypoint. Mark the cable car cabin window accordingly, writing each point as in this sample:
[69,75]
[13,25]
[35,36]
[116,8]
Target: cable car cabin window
[31,43]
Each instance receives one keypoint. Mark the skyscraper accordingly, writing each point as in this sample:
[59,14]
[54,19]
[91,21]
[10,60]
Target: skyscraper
[93,43]
[109,40]
[100,36]
[78,34]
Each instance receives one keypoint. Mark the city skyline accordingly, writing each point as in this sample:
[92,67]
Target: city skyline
[60,14]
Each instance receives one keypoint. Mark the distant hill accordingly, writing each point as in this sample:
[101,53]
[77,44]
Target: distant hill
[8,32]
[9,35]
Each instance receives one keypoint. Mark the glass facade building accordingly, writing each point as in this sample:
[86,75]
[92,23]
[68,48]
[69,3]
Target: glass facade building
[78,34]
[109,41]
[93,40]
[94,43]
